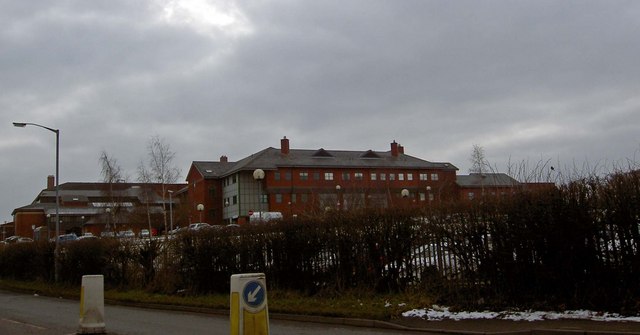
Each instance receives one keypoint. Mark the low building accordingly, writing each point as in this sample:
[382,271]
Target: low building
[482,185]
[479,185]
[94,208]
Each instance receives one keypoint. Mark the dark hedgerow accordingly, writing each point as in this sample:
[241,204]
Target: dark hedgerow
[576,245]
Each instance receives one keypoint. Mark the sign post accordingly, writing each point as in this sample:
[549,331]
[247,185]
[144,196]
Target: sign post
[249,314]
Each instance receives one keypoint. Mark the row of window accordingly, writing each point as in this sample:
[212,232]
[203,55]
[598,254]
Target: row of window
[305,197]
[359,176]
[234,200]
[345,176]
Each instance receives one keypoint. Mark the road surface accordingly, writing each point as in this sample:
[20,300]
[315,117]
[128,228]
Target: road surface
[32,314]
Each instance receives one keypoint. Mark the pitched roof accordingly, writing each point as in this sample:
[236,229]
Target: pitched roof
[486,180]
[272,159]
[212,169]
[94,195]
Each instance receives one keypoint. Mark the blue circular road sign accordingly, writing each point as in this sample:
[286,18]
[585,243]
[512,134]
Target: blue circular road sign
[254,294]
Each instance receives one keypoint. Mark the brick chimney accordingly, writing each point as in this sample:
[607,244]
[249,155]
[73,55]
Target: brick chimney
[284,146]
[394,149]
[224,159]
[51,182]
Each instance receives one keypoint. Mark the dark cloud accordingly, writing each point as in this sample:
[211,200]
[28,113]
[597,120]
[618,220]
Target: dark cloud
[527,80]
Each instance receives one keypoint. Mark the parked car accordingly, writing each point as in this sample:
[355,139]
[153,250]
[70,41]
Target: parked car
[87,236]
[144,233]
[16,239]
[199,226]
[126,234]
[178,230]
[107,234]
[66,238]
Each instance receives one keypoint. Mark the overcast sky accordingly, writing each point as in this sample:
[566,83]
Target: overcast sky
[528,81]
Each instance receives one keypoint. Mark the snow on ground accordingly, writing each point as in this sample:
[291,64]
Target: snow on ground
[436,313]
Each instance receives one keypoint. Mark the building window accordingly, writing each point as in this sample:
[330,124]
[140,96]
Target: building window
[293,198]
[374,176]
[304,197]
[278,198]
[423,196]
[346,176]
[328,176]
[276,175]
[383,176]
[316,176]
[287,175]
[424,176]
[434,176]
[264,198]
[234,179]
[358,176]
[304,176]
[470,195]
[401,176]
[235,199]
[392,176]
[409,176]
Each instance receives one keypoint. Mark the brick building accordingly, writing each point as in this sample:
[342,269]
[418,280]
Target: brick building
[477,186]
[294,182]
[303,182]
[93,207]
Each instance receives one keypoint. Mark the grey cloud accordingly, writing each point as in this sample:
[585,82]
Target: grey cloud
[527,80]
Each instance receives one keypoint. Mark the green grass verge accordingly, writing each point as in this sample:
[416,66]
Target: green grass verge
[353,304]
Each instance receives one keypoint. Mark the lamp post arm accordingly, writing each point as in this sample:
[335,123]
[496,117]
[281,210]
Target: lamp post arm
[24,124]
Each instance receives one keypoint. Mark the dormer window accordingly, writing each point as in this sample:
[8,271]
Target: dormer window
[370,154]
[322,153]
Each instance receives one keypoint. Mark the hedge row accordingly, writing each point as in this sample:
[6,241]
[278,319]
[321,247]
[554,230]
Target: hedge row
[574,246]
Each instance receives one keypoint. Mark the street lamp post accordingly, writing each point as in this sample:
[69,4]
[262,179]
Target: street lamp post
[170,210]
[57,225]
[404,193]
[108,211]
[258,175]
[200,208]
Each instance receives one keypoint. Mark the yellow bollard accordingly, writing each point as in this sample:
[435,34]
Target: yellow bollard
[92,305]
[249,313]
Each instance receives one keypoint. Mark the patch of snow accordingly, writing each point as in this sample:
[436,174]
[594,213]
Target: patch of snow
[436,313]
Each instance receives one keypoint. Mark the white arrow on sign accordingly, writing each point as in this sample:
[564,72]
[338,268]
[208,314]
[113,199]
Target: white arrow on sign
[251,297]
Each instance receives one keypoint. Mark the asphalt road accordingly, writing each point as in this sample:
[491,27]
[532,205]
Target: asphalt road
[31,314]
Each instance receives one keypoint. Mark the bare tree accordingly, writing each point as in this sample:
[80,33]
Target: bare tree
[144,177]
[111,170]
[111,173]
[479,164]
[478,160]
[160,168]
